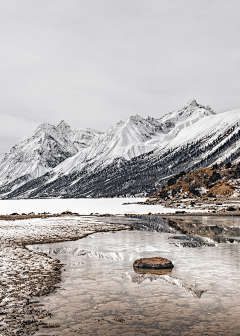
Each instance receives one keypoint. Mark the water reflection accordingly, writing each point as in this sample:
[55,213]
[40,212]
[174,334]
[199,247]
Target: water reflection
[101,294]
[176,225]
[152,271]
[219,229]
[138,277]
[142,223]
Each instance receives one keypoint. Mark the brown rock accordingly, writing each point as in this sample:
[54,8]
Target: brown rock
[67,212]
[153,263]
[230,208]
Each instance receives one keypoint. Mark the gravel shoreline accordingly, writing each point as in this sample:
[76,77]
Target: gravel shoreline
[190,214]
[27,274]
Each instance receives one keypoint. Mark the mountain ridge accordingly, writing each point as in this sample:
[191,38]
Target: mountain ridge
[107,164]
[44,150]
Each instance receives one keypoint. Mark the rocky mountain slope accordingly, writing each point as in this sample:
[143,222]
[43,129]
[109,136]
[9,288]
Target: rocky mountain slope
[44,150]
[135,157]
[219,180]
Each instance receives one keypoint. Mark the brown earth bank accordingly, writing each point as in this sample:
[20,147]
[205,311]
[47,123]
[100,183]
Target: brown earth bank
[26,275]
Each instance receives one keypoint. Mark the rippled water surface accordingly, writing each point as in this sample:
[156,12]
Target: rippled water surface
[101,294]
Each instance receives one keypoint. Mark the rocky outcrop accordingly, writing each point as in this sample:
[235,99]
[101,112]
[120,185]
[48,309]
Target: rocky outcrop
[219,180]
[153,263]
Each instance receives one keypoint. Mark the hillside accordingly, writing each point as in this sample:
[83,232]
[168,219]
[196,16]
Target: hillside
[218,181]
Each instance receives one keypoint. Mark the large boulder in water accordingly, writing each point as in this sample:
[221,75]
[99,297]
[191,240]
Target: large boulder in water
[153,263]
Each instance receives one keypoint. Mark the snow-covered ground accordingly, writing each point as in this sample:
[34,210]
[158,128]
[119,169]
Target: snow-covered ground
[86,206]
[83,206]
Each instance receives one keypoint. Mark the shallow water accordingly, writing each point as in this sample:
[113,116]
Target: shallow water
[101,294]
[226,221]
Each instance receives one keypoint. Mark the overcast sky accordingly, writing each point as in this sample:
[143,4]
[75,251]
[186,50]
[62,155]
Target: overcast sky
[95,62]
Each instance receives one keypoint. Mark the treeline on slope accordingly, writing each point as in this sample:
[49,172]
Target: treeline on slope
[217,180]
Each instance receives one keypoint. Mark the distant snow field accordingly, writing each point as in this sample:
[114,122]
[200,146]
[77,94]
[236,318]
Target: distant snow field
[83,206]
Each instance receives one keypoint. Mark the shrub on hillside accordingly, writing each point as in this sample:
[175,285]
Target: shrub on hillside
[236,173]
[215,166]
[228,165]
[194,189]
[173,180]
[214,177]
[163,193]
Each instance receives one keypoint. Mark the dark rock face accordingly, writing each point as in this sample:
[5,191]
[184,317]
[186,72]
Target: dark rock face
[153,263]
[231,209]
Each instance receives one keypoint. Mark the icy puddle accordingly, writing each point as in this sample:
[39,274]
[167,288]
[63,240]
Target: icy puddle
[101,294]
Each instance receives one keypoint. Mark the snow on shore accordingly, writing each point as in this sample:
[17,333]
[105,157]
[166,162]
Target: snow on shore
[83,206]
[25,274]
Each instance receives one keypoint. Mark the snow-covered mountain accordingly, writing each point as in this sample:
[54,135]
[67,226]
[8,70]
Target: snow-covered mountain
[44,150]
[132,157]
[132,138]
[81,138]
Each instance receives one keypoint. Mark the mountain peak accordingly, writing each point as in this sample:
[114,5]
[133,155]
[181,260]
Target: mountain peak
[192,102]
[45,127]
[63,127]
[192,110]
[136,118]
[194,106]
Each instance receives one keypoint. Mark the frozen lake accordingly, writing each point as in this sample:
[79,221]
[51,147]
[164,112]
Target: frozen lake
[101,294]
[83,206]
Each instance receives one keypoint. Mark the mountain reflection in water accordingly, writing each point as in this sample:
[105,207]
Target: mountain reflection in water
[101,294]
[141,275]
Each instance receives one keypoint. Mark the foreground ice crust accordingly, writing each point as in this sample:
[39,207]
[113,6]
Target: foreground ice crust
[27,273]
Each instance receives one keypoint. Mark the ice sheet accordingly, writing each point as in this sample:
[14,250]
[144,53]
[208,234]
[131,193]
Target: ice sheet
[83,206]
